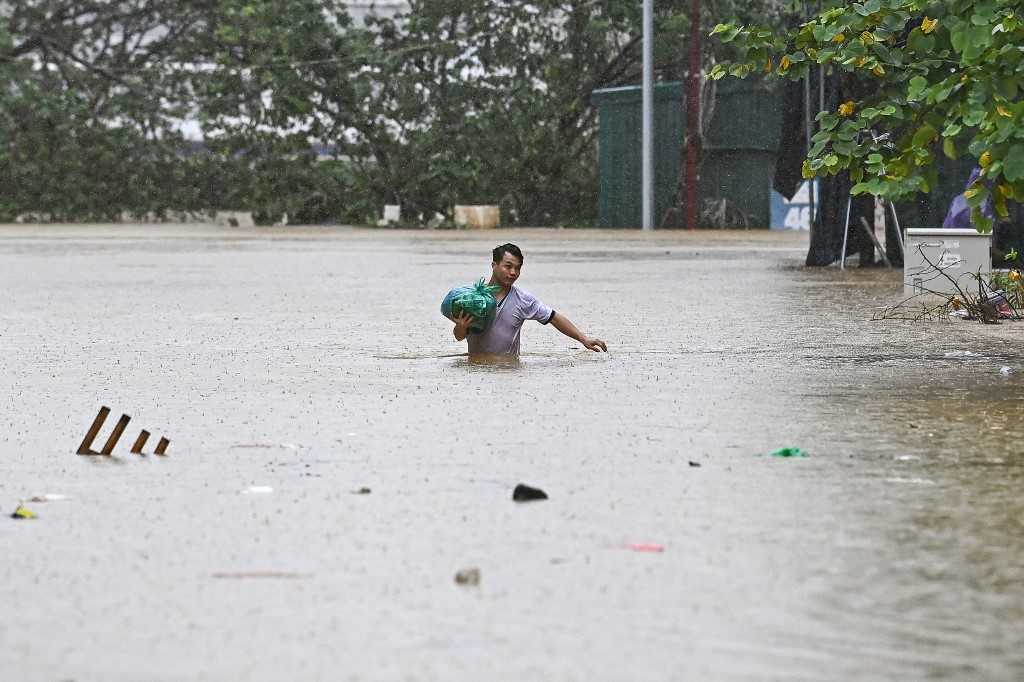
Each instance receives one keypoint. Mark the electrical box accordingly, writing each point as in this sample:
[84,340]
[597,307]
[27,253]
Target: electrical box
[931,254]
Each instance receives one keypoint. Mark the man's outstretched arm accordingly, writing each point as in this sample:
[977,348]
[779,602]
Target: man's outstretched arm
[565,325]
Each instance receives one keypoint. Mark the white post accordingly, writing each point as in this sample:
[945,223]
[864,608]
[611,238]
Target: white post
[647,196]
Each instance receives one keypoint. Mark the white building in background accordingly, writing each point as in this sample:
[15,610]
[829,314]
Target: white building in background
[359,9]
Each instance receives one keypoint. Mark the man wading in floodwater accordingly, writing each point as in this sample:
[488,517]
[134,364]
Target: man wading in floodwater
[515,306]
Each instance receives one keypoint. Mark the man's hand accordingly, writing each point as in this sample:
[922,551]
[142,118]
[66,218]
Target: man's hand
[462,323]
[565,325]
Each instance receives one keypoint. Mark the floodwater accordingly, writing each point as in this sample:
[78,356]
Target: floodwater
[292,367]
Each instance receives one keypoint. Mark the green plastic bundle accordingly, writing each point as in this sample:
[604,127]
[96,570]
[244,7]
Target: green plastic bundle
[477,300]
[788,452]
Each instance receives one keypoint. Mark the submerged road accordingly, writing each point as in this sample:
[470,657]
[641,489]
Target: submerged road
[290,368]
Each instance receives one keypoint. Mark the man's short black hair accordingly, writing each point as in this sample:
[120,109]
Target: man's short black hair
[500,251]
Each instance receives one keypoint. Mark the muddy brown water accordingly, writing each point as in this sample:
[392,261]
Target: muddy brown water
[314,362]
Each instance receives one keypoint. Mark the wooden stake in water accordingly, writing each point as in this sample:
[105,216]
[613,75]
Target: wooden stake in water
[115,435]
[90,435]
[139,442]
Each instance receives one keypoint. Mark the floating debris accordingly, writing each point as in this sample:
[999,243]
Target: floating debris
[645,547]
[525,493]
[23,512]
[789,452]
[468,576]
[48,497]
[258,490]
[961,354]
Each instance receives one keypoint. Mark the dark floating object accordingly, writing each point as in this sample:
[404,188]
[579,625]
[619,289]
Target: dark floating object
[694,464]
[362,491]
[524,493]
[468,576]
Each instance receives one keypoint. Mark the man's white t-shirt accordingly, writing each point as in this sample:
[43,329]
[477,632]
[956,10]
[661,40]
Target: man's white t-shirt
[502,337]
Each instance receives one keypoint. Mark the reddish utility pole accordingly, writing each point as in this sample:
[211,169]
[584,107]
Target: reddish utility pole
[693,116]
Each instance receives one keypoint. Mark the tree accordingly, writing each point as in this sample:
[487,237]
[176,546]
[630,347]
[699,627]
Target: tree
[488,101]
[456,101]
[928,78]
[94,97]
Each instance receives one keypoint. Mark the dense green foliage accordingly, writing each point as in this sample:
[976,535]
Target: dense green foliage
[929,78]
[457,101]
[94,97]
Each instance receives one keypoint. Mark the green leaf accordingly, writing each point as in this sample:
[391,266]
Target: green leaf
[981,222]
[984,12]
[872,186]
[844,148]
[827,120]
[739,70]
[977,40]
[919,43]
[924,136]
[731,34]
[949,147]
[884,53]
[825,56]
[1013,163]
[974,116]
[952,130]
[1008,85]
[916,88]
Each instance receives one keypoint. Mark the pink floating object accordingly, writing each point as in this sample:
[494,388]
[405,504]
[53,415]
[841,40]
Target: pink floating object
[645,547]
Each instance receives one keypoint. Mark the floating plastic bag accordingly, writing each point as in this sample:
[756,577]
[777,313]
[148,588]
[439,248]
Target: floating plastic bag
[477,300]
[788,452]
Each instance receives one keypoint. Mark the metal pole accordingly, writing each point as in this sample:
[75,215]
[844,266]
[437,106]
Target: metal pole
[693,117]
[808,128]
[647,195]
[896,222]
[846,233]
[821,78]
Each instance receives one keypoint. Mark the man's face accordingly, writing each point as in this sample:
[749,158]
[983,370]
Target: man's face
[506,271]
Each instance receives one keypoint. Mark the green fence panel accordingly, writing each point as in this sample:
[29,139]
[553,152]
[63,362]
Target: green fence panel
[737,165]
[619,151]
[740,149]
